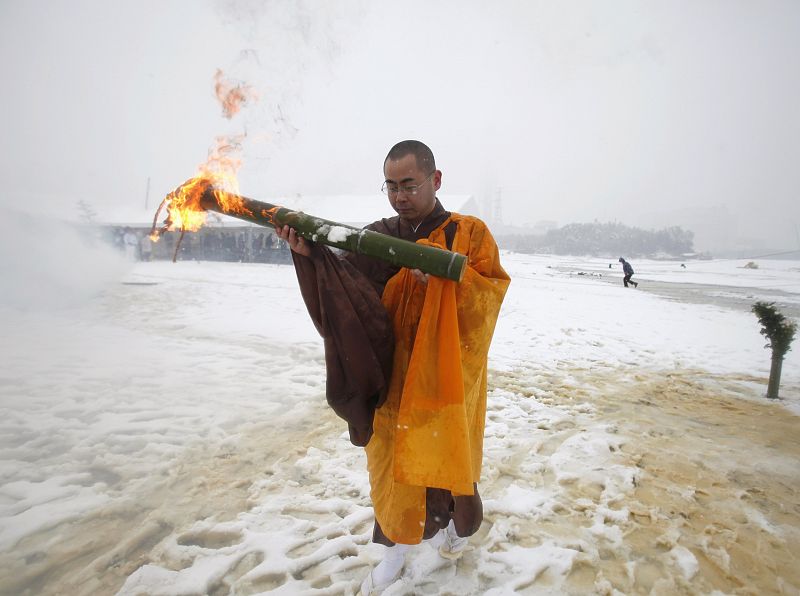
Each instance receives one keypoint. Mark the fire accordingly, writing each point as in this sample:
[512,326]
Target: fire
[216,180]
[231,96]
[184,204]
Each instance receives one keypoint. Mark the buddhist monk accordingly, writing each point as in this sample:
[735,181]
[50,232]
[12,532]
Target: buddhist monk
[406,357]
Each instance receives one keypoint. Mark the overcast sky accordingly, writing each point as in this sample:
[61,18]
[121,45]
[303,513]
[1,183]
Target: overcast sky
[648,113]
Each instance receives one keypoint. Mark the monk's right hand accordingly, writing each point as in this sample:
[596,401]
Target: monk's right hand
[420,276]
[296,242]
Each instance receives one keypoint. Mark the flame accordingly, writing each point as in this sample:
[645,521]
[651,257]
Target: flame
[215,181]
[215,185]
[231,95]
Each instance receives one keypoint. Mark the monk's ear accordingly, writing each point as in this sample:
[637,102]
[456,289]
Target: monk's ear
[437,179]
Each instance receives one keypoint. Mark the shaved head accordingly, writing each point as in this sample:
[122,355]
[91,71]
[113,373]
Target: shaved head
[418,149]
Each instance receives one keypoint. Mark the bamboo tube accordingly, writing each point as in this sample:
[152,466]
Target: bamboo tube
[402,253]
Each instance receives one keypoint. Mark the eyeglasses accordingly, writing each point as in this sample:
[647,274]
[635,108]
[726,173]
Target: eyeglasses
[407,189]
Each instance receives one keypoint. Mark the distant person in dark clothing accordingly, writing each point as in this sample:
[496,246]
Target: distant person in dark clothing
[628,271]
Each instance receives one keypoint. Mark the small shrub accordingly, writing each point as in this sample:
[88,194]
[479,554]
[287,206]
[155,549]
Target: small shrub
[780,333]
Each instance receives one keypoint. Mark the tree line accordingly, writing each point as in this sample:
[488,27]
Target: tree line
[602,239]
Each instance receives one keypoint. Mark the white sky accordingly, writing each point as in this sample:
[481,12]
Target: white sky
[650,113]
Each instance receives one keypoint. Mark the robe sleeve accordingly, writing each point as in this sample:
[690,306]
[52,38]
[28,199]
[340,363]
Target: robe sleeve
[357,333]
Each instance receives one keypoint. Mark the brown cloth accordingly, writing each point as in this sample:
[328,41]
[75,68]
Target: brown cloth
[343,297]
[357,333]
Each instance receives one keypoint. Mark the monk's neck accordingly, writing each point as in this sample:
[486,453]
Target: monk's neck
[416,223]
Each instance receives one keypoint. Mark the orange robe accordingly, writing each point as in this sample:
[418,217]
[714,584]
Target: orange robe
[429,432]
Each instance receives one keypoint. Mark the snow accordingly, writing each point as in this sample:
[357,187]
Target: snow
[685,560]
[582,321]
[771,273]
[340,233]
[168,422]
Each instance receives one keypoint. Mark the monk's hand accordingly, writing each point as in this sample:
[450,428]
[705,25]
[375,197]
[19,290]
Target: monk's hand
[421,277]
[295,241]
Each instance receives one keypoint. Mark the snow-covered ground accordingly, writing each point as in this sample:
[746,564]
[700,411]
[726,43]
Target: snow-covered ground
[165,432]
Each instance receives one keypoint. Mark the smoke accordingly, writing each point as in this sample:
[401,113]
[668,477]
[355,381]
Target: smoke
[50,264]
[290,51]
[567,115]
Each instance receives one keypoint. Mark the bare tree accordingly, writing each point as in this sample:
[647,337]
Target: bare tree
[86,211]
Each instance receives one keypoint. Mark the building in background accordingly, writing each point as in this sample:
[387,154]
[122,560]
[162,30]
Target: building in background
[225,238]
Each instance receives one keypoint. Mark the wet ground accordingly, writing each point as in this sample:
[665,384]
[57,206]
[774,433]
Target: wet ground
[719,481]
[731,297]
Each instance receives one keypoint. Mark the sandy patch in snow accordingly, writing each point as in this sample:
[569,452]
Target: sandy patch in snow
[664,484]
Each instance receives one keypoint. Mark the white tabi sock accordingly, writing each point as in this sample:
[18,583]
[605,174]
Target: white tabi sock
[393,560]
[454,544]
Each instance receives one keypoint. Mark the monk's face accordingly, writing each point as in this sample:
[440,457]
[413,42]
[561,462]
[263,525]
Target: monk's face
[411,191]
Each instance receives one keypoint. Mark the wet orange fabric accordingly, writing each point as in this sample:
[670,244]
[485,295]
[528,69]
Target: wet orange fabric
[429,433]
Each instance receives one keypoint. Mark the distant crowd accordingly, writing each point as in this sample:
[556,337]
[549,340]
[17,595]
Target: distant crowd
[241,244]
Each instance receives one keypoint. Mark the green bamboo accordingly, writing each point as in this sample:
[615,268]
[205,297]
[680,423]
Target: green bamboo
[402,253]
